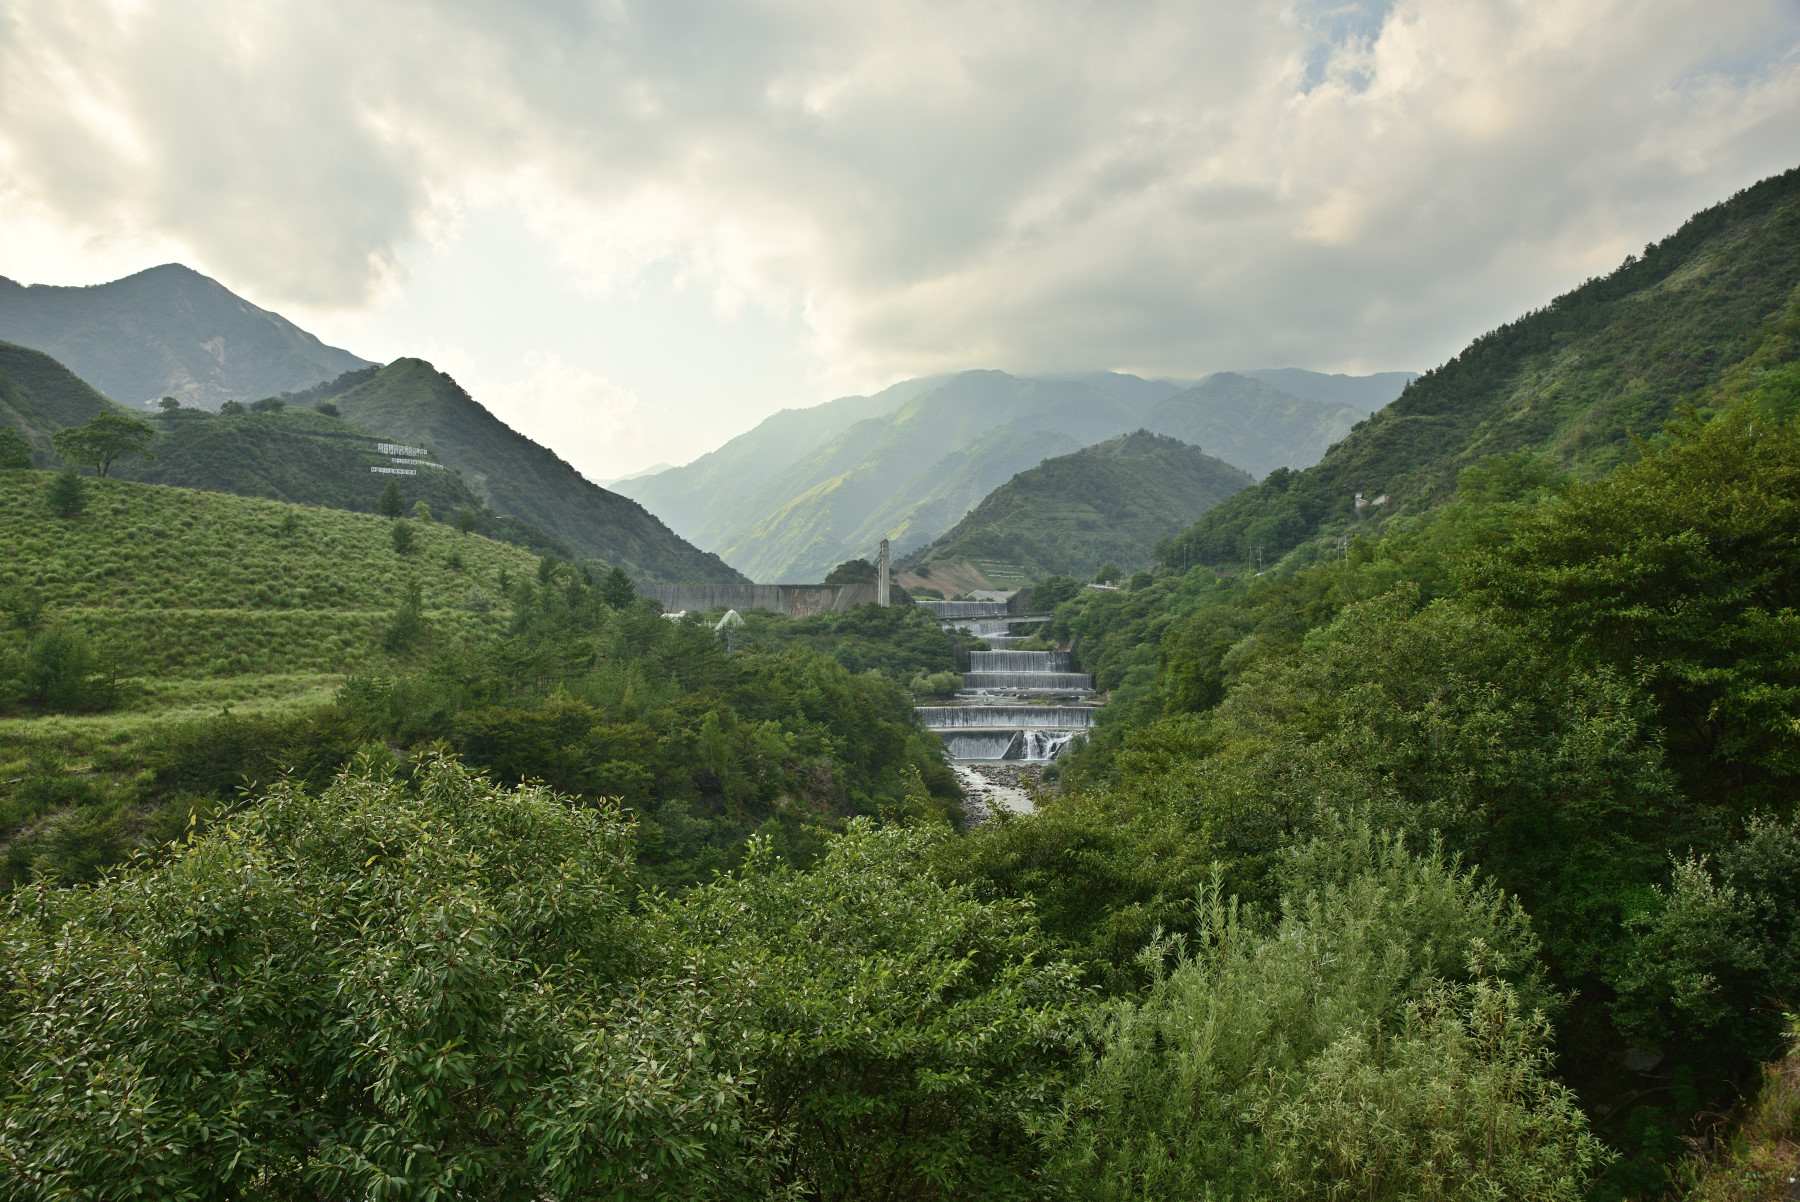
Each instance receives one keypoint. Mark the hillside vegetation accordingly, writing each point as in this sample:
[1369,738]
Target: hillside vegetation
[412,402]
[921,455]
[39,396]
[1110,502]
[168,331]
[1573,381]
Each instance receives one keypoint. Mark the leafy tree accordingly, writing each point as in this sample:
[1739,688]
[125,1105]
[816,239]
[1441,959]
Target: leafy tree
[327,409]
[381,990]
[1107,573]
[15,452]
[232,409]
[67,494]
[106,436]
[465,520]
[268,404]
[169,404]
[58,671]
[421,511]
[616,588]
[403,538]
[390,505]
[1052,591]
[853,571]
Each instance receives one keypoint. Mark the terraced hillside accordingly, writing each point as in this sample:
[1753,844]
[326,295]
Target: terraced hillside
[191,600]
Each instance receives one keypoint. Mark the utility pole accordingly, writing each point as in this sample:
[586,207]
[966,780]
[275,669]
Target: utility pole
[1259,566]
[881,574]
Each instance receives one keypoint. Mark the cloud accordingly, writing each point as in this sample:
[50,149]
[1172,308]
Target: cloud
[1033,184]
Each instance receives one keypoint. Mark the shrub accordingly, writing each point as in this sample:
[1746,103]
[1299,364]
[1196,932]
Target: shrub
[938,684]
[67,494]
[327,409]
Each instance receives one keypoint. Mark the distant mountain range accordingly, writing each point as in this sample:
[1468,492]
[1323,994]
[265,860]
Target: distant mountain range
[809,488]
[1071,514]
[168,331]
[1712,306]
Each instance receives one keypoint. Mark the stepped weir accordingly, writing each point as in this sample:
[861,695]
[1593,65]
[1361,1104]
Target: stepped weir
[995,719]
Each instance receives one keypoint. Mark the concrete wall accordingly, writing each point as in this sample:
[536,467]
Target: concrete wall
[794,600]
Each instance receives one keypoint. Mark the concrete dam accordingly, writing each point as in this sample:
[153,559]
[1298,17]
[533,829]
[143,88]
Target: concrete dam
[1000,713]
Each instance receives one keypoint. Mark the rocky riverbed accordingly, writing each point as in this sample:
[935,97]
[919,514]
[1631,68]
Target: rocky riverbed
[1001,785]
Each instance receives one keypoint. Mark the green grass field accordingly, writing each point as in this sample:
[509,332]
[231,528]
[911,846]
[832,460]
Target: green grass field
[199,601]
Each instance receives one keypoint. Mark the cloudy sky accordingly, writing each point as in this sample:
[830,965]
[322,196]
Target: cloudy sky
[635,228]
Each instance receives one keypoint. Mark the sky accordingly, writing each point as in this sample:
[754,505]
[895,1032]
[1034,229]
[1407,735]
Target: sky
[634,228]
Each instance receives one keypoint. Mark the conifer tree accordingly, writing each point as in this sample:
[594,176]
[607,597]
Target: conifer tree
[390,505]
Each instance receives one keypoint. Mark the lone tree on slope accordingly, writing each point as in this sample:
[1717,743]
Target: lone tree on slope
[390,505]
[106,437]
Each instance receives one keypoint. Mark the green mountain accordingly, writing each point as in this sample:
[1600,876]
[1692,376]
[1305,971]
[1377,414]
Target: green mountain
[1364,393]
[691,498]
[810,488]
[1252,424]
[1573,381]
[413,403]
[1070,514]
[168,331]
[39,396]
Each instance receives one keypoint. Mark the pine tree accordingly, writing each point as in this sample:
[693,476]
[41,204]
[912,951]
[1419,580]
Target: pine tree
[390,505]
[67,494]
[616,589]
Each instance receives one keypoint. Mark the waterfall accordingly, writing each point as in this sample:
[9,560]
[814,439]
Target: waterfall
[1019,661]
[987,745]
[1042,746]
[1002,717]
[1027,682]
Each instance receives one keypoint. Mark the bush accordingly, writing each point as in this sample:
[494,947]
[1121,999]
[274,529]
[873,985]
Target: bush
[67,494]
[327,409]
[938,684]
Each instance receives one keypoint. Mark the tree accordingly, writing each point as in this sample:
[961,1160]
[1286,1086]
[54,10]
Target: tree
[327,409]
[403,538]
[465,520]
[15,452]
[1107,573]
[67,494]
[852,571]
[616,589]
[107,436]
[231,409]
[169,404]
[390,505]
[421,511]
[269,404]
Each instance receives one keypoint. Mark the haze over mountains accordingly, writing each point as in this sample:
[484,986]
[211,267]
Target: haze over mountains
[168,331]
[810,488]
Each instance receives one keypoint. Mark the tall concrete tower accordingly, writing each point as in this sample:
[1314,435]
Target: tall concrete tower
[881,574]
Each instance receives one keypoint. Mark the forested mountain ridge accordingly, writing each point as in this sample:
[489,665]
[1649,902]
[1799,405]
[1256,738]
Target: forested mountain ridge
[168,331]
[413,402]
[809,488]
[39,396]
[1068,515]
[1574,380]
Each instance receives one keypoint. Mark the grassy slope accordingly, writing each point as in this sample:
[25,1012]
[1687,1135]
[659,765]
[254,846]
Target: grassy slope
[168,330]
[1573,380]
[412,402]
[1108,502]
[1251,424]
[200,599]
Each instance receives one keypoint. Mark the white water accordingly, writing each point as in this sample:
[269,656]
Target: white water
[1019,661]
[1006,717]
[1028,682]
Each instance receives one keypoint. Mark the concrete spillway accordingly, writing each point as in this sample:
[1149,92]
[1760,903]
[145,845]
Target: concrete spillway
[992,717]
[1019,661]
[1029,746]
[1028,682]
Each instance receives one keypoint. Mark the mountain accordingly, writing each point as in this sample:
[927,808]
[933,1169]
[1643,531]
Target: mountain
[1068,515]
[168,331]
[1572,382]
[412,402]
[885,476]
[692,498]
[809,488]
[1252,424]
[1364,393]
[39,396]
